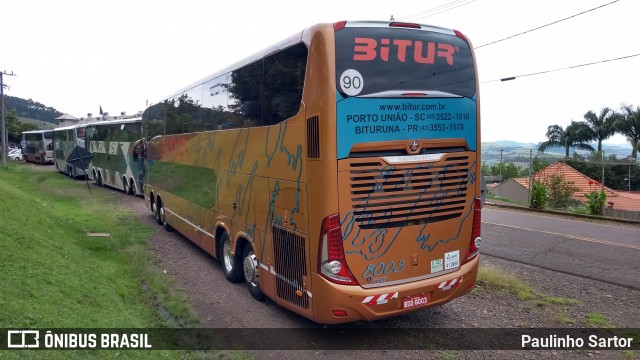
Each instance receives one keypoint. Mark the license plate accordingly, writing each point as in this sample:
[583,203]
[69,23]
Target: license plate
[409,302]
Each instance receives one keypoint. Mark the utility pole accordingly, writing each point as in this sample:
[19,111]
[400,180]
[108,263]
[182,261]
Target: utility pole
[602,182]
[530,175]
[629,179]
[500,168]
[5,137]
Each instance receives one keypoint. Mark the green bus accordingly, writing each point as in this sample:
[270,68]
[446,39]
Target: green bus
[116,146]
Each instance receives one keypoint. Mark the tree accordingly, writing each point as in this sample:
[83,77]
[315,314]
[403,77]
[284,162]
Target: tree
[32,109]
[560,191]
[538,164]
[628,124]
[508,170]
[13,127]
[485,169]
[599,127]
[574,136]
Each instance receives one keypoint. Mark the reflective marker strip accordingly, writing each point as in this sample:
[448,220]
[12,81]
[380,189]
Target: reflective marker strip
[446,285]
[379,299]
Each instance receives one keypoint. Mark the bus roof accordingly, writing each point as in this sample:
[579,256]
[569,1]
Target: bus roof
[119,121]
[36,131]
[71,127]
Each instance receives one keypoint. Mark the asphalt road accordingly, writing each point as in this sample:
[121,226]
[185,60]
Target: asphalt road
[603,251]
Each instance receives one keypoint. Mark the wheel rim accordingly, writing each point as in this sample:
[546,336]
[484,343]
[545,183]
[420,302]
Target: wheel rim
[226,251]
[251,268]
[162,214]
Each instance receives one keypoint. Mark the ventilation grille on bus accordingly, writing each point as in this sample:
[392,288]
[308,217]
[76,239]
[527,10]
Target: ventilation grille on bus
[290,265]
[392,196]
[313,138]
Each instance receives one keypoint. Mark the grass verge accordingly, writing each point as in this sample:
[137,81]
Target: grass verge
[55,276]
[494,278]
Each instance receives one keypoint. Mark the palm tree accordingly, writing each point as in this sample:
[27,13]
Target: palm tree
[574,136]
[600,127]
[628,124]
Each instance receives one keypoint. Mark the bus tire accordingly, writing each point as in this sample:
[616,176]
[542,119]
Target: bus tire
[250,267]
[157,212]
[131,188]
[231,265]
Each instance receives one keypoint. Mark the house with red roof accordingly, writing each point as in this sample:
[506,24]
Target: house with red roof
[518,188]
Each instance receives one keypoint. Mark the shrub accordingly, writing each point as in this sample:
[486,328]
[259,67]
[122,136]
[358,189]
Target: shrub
[539,195]
[596,201]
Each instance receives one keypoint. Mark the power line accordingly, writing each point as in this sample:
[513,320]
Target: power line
[551,23]
[436,10]
[560,69]
[439,7]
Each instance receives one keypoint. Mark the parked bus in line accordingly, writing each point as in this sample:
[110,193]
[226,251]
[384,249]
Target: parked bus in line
[116,146]
[335,172]
[65,139]
[37,146]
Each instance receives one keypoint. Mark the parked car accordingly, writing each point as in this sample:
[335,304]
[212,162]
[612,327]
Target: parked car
[15,154]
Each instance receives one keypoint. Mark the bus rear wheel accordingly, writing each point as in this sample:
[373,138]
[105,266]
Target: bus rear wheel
[157,212]
[250,263]
[231,265]
[163,219]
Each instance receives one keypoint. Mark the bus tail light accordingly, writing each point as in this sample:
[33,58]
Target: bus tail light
[339,25]
[405,25]
[474,244]
[331,261]
[461,35]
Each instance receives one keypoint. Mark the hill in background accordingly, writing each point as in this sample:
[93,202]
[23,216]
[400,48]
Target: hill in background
[30,109]
[513,151]
[38,124]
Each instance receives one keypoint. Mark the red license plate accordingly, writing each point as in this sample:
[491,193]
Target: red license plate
[409,302]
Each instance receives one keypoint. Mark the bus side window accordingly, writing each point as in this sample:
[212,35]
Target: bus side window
[284,74]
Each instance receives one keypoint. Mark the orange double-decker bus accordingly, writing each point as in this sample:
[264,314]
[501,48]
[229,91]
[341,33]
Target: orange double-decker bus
[336,172]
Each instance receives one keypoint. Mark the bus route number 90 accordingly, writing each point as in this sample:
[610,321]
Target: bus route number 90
[351,82]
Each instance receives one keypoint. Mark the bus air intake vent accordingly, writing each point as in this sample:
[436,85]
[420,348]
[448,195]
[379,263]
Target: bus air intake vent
[290,265]
[313,138]
[385,196]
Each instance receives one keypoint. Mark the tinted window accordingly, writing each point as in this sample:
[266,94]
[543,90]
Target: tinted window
[153,120]
[283,83]
[245,95]
[396,59]
[81,132]
[217,113]
[33,137]
[264,92]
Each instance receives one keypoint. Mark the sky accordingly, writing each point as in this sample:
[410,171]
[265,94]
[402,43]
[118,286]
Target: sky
[80,55]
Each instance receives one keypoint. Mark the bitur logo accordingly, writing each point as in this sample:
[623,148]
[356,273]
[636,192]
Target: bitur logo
[413,147]
[366,49]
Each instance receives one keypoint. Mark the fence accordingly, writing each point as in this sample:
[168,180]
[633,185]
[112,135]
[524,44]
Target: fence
[622,214]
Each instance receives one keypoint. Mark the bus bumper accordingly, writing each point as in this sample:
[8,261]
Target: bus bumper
[334,304]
